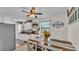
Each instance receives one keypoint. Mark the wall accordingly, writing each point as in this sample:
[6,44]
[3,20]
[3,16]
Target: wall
[6,20]
[60,33]
[73,29]
[74,34]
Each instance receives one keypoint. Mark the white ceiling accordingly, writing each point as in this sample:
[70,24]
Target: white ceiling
[16,13]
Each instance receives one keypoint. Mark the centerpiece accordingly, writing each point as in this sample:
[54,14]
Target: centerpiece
[46,34]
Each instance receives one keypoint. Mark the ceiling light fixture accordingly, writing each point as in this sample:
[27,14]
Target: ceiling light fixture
[32,12]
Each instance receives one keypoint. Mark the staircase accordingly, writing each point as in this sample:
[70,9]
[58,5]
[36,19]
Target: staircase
[60,45]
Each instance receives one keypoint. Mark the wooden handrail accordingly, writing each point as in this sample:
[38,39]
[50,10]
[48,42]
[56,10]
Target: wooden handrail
[69,12]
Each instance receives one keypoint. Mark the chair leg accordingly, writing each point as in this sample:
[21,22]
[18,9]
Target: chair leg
[35,47]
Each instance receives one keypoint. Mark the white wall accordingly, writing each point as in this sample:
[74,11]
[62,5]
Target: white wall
[60,33]
[6,20]
[74,34]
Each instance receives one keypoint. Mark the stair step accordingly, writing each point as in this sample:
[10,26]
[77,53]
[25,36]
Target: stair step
[64,48]
[62,41]
[56,47]
[62,44]
[52,48]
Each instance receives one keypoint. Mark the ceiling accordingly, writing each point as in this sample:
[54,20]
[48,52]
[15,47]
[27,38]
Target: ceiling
[16,13]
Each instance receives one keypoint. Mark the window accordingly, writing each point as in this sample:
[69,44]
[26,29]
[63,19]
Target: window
[73,17]
[69,21]
[45,25]
[78,12]
[76,15]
